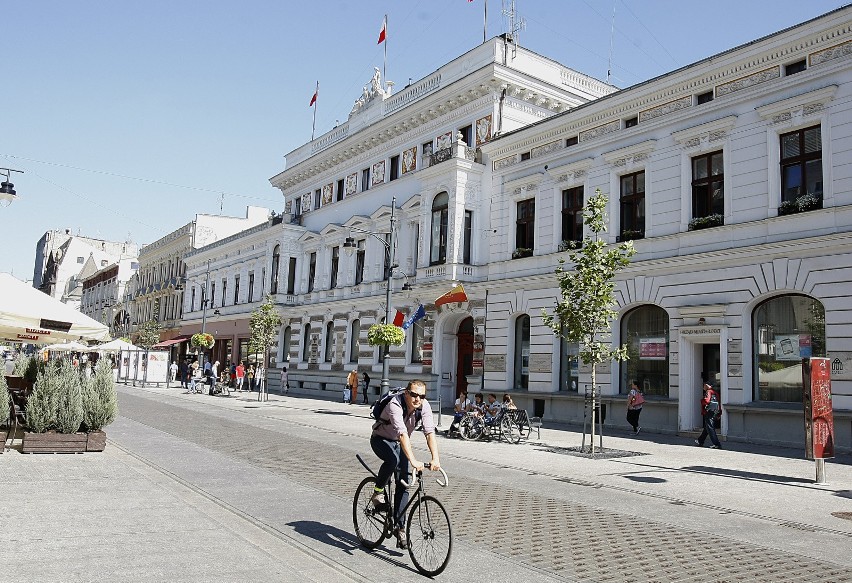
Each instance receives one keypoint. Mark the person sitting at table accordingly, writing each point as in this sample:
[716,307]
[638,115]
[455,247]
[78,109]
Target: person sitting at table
[492,409]
[508,403]
[462,406]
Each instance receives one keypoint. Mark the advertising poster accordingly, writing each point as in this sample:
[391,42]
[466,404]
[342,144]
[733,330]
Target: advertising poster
[158,367]
[652,349]
[793,347]
[819,417]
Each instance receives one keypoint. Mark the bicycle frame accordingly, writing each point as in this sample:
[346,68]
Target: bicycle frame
[418,476]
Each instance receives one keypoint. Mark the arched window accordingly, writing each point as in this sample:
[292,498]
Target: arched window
[522,352]
[329,341]
[306,344]
[354,340]
[276,258]
[645,330]
[785,329]
[440,210]
[285,344]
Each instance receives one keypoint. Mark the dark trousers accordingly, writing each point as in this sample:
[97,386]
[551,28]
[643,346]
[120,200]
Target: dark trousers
[709,429]
[633,417]
[393,462]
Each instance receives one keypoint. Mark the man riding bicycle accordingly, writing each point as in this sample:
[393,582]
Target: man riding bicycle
[391,441]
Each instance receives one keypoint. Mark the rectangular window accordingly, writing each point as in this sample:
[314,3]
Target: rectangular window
[394,167]
[262,281]
[708,185]
[365,179]
[467,134]
[236,289]
[572,215]
[340,190]
[297,206]
[794,68]
[468,231]
[386,264]
[801,165]
[317,198]
[525,156]
[251,287]
[525,225]
[213,295]
[312,271]
[192,300]
[704,98]
[224,291]
[335,261]
[291,276]
[631,122]
[360,259]
[633,206]
[573,141]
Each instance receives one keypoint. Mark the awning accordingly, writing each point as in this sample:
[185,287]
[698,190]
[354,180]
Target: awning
[167,343]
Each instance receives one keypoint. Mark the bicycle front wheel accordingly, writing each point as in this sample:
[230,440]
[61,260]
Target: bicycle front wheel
[509,430]
[430,536]
[370,522]
[470,427]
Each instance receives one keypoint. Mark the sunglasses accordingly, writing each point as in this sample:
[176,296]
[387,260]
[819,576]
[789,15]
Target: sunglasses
[414,395]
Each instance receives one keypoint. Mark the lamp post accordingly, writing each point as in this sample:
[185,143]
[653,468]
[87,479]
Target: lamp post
[7,189]
[203,306]
[390,248]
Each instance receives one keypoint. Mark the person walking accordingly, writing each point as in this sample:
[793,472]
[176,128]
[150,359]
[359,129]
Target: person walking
[173,369]
[240,373]
[366,388]
[635,400]
[183,374]
[711,409]
[250,376]
[352,382]
[285,383]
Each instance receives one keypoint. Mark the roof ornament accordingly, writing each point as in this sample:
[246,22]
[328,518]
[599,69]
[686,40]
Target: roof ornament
[372,90]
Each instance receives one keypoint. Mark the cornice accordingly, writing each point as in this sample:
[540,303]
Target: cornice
[821,96]
[723,124]
[640,149]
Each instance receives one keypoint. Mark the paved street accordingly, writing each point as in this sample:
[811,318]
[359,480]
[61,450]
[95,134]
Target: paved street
[194,488]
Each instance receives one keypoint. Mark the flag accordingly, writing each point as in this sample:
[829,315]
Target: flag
[314,98]
[384,32]
[454,295]
[398,319]
[418,314]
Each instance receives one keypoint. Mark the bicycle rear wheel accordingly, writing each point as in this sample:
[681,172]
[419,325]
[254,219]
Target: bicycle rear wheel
[470,427]
[371,523]
[430,536]
[509,430]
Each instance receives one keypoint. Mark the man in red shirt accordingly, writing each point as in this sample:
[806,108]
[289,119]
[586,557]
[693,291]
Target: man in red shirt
[240,373]
[711,408]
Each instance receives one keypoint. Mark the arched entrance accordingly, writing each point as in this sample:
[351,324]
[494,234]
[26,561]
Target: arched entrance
[464,360]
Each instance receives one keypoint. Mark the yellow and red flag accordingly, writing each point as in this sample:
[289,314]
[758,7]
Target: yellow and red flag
[454,295]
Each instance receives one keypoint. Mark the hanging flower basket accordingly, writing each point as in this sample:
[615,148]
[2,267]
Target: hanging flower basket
[383,334]
[202,341]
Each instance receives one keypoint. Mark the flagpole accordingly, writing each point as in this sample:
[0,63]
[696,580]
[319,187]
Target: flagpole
[314,126]
[385,65]
[485,22]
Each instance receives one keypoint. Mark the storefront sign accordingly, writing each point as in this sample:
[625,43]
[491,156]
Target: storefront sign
[477,346]
[427,346]
[700,331]
[477,364]
[819,417]
[38,331]
[652,349]
[426,362]
[735,370]
[841,365]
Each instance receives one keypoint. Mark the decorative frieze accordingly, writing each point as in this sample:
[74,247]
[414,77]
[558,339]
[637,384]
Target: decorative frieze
[831,53]
[547,148]
[599,131]
[665,109]
[505,162]
[750,81]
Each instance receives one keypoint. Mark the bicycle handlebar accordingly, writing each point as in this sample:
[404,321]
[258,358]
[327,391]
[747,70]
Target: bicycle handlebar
[446,481]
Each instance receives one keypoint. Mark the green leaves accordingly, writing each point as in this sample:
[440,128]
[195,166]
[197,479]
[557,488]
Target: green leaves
[148,334]
[264,324]
[383,334]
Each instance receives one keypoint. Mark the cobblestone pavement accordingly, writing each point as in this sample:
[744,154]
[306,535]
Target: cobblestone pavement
[514,518]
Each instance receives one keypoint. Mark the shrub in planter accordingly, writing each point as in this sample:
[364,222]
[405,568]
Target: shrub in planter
[383,334]
[4,406]
[69,401]
[521,252]
[41,407]
[714,220]
[99,398]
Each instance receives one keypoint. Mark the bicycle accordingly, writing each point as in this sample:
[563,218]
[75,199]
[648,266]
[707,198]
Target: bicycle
[428,528]
[502,427]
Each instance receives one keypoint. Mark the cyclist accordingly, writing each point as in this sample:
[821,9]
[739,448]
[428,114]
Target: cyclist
[391,441]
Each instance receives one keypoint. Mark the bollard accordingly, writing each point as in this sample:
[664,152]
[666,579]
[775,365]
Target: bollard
[439,408]
[820,472]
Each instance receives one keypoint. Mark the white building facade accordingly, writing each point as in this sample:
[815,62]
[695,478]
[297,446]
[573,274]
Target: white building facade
[733,178]
[104,293]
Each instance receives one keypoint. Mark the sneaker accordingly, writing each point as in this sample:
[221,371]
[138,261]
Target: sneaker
[638,429]
[698,443]
[401,540]
[715,447]
[379,500]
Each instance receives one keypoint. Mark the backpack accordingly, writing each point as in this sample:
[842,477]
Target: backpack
[713,404]
[379,406]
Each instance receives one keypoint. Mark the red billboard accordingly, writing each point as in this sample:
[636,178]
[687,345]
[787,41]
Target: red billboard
[816,398]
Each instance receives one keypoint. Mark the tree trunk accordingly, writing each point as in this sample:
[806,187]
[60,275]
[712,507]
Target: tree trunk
[594,408]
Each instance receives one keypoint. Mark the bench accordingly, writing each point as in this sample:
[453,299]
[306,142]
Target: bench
[526,423]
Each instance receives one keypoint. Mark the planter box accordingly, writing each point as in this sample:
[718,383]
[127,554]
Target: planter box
[3,435]
[52,442]
[95,441]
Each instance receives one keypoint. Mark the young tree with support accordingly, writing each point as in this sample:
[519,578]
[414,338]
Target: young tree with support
[264,324]
[585,313]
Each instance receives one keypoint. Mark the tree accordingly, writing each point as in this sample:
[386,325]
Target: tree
[69,400]
[99,398]
[585,313]
[149,334]
[264,325]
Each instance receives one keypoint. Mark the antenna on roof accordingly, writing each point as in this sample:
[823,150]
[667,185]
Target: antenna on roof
[611,35]
[515,24]
[221,202]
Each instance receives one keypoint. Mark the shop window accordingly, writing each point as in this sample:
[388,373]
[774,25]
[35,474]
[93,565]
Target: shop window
[569,365]
[645,331]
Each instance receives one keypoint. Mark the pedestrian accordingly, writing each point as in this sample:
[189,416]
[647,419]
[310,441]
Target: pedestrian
[260,381]
[366,388]
[240,373]
[173,369]
[250,376]
[285,383]
[711,409]
[183,374]
[352,383]
[635,400]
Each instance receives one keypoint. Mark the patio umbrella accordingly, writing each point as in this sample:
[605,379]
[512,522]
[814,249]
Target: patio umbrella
[68,347]
[116,345]
[28,315]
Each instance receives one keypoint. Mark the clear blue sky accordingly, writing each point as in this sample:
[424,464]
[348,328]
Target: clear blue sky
[129,117]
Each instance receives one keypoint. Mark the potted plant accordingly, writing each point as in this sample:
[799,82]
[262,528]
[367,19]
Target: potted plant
[99,405]
[385,335]
[521,252]
[55,412]
[714,220]
[4,413]
[808,202]
[202,340]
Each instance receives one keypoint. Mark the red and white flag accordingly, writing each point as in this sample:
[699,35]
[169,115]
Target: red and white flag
[314,98]
[384,32]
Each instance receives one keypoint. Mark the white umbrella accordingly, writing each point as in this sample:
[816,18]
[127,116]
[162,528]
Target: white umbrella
[116,345]
[68,347]
[28,315]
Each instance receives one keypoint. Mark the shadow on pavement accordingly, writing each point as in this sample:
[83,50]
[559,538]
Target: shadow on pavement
[776,479]
[646,479]
[326,534]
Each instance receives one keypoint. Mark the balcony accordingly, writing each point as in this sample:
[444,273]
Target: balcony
[451,271]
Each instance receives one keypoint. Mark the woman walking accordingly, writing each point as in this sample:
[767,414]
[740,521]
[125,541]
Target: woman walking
[635,400]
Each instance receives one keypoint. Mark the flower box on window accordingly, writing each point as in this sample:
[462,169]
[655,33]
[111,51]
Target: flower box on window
[804,203]
[521,252]
[568,245]
[630,235]
[698,223]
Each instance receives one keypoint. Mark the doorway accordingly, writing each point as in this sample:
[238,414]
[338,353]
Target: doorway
[464,361]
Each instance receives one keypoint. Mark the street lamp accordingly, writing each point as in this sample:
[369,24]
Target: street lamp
[7,189]
[349,245]
[203,304]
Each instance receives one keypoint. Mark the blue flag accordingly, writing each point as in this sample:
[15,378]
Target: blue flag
[420,313]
